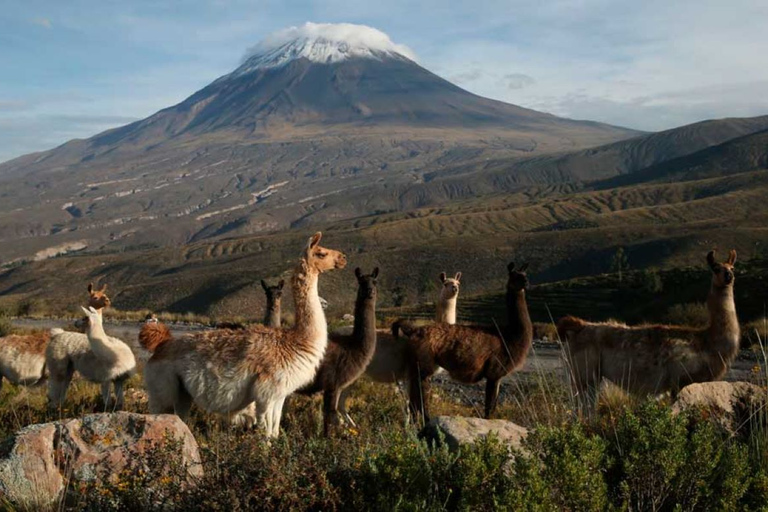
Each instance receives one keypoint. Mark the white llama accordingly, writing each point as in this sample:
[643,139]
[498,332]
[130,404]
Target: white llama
[95,356]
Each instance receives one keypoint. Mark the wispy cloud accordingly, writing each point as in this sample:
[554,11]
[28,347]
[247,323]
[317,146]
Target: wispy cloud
[42,22]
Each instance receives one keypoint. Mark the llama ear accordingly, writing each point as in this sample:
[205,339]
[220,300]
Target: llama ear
[458,276]
[103,288]
[711,260]
[732,257]
[358,273]
[314,240]
[281,284]
[375,273]
[93,310]
[85,311]
[442,277]
[511,266]
[523,268]
[90,287]
[264,285]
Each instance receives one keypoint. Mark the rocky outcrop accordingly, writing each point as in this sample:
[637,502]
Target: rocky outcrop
[39,462]
[731,402]
[459,431]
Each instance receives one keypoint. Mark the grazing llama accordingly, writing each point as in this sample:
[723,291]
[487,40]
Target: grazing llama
[94,355]
[22,357]
[470,354]
[347,355]
[224,371]
[274,302]
[657,358]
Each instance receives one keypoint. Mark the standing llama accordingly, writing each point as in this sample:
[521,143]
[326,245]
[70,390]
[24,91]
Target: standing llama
[347,355]
[470,354]
[22,357]
[94,355]
[224,371]
[449,295]
[657,358]
[390,360]
[274,302]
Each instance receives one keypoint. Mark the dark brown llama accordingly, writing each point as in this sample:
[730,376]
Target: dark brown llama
[657,358]
[274,303]
[347,356]
[470,354]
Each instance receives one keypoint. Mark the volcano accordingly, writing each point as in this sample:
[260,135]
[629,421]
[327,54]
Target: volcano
[319,123]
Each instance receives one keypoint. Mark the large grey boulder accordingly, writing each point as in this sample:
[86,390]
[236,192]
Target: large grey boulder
[38,462]
[459,431]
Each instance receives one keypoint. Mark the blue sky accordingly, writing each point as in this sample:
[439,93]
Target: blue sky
[74,68]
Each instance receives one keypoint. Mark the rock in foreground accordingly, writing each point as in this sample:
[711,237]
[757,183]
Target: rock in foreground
[37,462]
[459,431]
[732,401]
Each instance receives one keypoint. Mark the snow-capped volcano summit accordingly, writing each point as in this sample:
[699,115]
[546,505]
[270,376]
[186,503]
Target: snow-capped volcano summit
[322,43]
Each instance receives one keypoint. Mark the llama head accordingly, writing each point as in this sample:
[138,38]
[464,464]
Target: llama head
[366,284]
[319,259]
[150,318]
[274,292]
[450,287]
[98,298]
[518,280]
[722,273]
[93,315]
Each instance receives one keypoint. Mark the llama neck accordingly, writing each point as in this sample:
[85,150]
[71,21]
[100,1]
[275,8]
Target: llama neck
[101,345]
[446,311]
[272,318]
[310,318]
[519,331]
[723,331]
[364,330]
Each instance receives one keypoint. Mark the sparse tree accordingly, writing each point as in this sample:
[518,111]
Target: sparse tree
[619,262]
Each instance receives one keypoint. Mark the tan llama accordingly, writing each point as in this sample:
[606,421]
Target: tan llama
[272,317]
[224,371]
[657,358]
[22,357]
[470,354]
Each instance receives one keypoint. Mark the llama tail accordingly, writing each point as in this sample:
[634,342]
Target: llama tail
[568,326]
[153,335]
[404,326]
[57,330]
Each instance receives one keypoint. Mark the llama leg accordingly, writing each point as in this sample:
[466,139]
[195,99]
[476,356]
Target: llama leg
[57,388]
[418,393]
[491,396]
[330,410]
[105,394]
[277,412]
[119,394]
[343,408]
[261,415]
[183,403]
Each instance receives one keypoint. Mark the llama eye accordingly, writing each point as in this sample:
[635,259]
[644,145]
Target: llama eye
[321,255]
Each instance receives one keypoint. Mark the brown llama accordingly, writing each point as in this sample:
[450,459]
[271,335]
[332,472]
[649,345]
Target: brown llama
[225,371]
[347,356]
[274,303]
[470,354]
[653,359]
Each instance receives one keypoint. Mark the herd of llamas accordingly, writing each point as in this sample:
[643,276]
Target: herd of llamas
[246,373]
